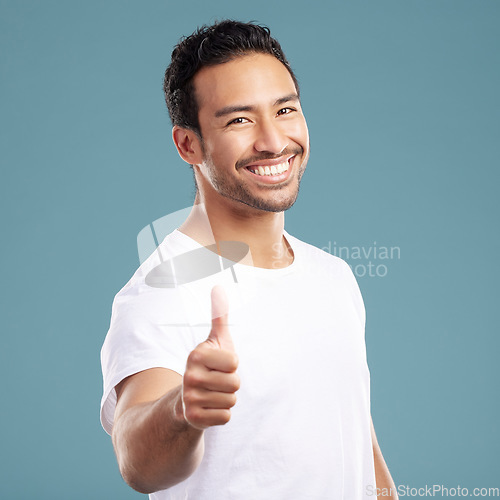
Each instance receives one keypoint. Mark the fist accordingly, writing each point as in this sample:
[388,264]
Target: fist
[210,381]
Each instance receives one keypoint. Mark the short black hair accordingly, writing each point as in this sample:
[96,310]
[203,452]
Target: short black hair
[209,46]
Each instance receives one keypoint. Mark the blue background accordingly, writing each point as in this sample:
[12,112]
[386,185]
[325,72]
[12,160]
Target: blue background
[402,103]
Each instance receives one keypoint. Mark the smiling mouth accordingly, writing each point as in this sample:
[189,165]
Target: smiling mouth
[270,170]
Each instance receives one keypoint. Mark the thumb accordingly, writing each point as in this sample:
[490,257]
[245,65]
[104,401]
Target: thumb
[220,334]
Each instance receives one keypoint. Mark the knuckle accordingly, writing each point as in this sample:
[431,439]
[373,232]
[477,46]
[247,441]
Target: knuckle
[192,415]
[192,378]
[192,396]
[195,357]
[188,399]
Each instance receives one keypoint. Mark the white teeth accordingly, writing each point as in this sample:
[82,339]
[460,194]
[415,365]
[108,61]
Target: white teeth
[272,170]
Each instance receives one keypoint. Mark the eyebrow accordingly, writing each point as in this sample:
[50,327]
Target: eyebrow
[227,110]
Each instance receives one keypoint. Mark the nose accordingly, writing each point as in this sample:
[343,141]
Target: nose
[270,138]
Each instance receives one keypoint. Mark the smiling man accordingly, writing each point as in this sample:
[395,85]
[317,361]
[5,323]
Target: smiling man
[263,126]
[260,391]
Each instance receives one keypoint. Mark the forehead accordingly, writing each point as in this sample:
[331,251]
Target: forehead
[252,79]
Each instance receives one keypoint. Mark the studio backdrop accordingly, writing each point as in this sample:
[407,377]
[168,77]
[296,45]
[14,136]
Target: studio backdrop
[402,103]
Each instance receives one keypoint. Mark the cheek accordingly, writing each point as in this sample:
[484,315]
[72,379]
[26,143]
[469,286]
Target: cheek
[230,148]
[218,145]
[299,133]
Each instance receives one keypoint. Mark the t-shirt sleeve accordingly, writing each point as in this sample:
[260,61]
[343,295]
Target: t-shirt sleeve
[148,329]
[356,296]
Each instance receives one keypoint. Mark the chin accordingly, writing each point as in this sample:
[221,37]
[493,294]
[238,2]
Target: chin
[270,205]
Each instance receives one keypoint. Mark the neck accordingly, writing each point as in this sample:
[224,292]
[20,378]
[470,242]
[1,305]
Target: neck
[262,231]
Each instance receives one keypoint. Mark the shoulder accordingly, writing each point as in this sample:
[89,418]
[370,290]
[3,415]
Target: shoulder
[313,256]
[150,294]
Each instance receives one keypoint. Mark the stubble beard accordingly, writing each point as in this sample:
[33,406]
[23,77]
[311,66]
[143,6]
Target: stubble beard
[277,202]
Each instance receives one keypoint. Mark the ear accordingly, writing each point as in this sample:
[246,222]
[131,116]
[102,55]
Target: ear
[188,145]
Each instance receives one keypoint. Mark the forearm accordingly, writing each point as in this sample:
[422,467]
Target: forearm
[155,446]
[385,484]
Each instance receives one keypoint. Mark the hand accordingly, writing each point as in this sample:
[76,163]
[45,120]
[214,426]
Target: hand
[210,380]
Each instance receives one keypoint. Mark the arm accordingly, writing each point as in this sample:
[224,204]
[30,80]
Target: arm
[385,484]
[154,445]
[160,416]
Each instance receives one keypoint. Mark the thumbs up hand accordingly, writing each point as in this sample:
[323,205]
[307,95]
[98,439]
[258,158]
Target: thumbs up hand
[219,335]
[210,380]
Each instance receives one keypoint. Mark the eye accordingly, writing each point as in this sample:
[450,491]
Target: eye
[285,111]
[238,121]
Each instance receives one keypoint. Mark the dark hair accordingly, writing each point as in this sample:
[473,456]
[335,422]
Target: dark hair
[209,46]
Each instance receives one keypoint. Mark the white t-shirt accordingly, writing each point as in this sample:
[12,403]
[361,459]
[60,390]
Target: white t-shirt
[301,426]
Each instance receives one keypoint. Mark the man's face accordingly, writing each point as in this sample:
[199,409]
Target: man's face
[255,138]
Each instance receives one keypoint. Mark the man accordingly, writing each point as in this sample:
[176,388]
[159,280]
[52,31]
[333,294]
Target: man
[266,396]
